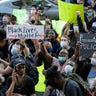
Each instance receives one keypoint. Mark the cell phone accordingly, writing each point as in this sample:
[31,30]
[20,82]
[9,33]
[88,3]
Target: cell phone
[15,69]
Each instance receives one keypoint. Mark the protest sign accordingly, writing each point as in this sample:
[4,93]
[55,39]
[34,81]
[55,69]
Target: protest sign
[57,25]
[23,31]
[67,11]
[88,44]
[20,14]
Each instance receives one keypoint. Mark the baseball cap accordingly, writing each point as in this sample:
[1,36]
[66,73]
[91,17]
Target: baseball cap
[19,61]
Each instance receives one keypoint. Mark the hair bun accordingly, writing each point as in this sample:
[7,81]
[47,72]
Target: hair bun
[52,72]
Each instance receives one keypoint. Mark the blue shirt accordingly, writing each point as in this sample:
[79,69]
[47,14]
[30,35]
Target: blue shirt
[92,73]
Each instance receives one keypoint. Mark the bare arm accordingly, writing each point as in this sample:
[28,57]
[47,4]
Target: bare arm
[77,51]
[26,49]
[65,29]
[7,70]
[11,88]
[48,56]
[4,62]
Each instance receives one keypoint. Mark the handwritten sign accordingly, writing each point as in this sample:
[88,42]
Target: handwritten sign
[89,44]
[23,31]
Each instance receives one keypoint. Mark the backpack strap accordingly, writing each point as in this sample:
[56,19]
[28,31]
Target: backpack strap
[64,85]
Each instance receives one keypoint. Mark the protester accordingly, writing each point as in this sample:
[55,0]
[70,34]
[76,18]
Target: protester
[19,48]
[56,80]
[65,44]
[40,13]
[4,44]
[32,11]
[16,52]
[40,57]
[52,51]
[52,35]
[62,57]
[19,83]
[89,18]
[13,20]
[87,69]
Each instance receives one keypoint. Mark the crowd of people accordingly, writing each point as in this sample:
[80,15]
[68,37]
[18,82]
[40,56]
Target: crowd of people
[60,55]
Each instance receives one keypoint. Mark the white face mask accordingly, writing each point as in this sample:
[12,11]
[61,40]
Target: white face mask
[93,61]
[62,59]
[14,49]
[68,69]
[63,44]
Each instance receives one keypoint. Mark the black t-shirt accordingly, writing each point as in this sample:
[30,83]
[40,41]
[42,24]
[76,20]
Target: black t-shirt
[4,50]
[41,59]
[30,45]
[55,46]
[27,88]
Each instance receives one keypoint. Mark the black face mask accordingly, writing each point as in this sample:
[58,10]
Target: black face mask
[32,21]
[52,83]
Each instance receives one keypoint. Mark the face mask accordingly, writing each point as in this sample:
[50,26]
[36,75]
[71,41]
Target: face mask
[68,69]
[5,22]
[32,21]
[89,14]
[14,50]
[93,61]
[62,59]
[41,14]
[63,44]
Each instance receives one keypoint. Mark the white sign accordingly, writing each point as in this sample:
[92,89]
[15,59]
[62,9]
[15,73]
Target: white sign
[23,31]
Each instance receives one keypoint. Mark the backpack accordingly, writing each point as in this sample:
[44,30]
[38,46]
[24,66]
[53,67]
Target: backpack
[84,87]
[31,70]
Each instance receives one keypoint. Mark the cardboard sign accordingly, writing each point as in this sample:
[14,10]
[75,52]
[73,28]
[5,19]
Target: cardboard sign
[23,31]
[89,44]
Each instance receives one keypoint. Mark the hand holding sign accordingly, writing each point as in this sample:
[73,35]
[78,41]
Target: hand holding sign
[22,40]
[78,13]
